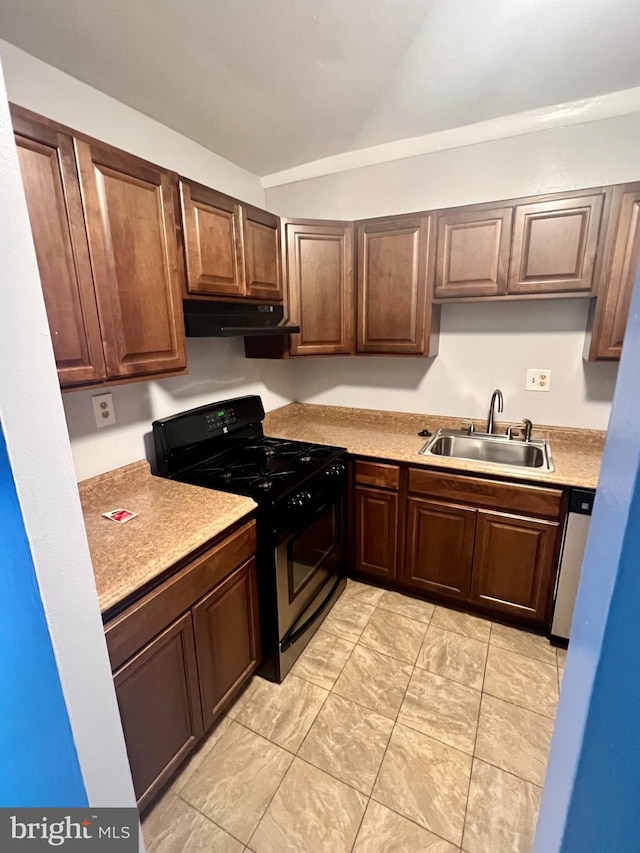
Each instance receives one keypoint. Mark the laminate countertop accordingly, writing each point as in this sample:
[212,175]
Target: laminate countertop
[393,436]
[173,521]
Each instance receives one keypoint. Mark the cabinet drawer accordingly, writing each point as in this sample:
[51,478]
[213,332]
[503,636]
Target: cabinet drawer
[486,493]
[378,474]
[136,626]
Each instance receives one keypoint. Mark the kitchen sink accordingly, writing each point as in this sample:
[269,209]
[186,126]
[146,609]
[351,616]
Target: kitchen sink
[495,449]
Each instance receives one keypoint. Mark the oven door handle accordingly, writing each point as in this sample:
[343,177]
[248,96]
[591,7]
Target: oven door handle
[294,634]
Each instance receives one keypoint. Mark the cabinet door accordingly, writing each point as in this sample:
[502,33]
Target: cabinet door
[376,531]
[212,238]
[473,252]
[129,210]
[620,270]
[320,286]
[50,180]
[157,692]
[513,565]
[394,276]
[439,548]
[262,258]
[227,638]
[554,245]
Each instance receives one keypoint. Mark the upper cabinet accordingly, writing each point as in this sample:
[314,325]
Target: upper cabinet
[473,252]
[104,233]
[526,247]
[50,180]
[129,208]
[212,241]
[231,249]
[622,251]
[554,245]
[320,286]
[394,286]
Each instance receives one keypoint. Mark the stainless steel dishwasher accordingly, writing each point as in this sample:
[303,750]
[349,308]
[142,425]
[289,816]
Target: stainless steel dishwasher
[573,547]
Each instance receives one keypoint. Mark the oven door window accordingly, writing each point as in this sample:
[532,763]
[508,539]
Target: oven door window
[308,551]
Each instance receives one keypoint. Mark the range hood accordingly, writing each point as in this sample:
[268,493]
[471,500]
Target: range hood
[209,319]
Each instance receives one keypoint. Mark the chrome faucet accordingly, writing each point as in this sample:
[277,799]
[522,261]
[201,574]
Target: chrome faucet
[496,396]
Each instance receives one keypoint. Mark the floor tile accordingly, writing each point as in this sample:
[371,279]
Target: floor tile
[362,592]
[426,781]
[514,739]
[384,831]
[442,709]
[376,681]
[461,623]
[348,741]
[562,657]
[322,660]
[237,779]
[524,681]
[394,635]
[244,696]
[531,645]
[459,658]
[283,713]
[174,826]
[347,618]
[502,812]
[311,813]
[189,767]
[413,608]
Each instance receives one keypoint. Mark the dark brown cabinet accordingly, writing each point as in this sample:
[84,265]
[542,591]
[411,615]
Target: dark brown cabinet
[513,563]
[181,653]
[129,212]
[394,286]
[376,531]
[554,245]
[52,190]
[212,241]
[622,252]
[227,638]
[439,549]
[231,249]
[320,286]
[473,252]
[159,704]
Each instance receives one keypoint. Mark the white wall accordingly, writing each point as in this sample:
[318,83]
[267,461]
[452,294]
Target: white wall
[481,346]
[217,367]
[41,462]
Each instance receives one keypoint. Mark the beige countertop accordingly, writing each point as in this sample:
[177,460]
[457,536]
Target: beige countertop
[173,521]
[394,436]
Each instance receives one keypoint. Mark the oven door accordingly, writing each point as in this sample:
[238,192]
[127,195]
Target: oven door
[308,562]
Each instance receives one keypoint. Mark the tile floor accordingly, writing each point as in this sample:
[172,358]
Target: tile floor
[403,727]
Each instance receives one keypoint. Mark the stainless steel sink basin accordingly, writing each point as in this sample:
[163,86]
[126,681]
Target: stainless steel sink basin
[494,449]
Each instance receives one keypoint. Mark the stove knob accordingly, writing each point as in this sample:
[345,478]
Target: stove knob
[298,501]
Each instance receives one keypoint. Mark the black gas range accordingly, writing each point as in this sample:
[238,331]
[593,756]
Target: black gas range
[300,489]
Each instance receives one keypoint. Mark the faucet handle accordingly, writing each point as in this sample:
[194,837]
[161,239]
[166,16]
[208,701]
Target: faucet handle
[526,426]
[469,425]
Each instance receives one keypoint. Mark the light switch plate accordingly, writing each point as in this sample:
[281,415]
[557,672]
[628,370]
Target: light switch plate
[103,410]
[538,379]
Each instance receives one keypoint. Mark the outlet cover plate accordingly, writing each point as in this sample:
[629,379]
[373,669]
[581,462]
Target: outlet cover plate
[538,379]
[103,410]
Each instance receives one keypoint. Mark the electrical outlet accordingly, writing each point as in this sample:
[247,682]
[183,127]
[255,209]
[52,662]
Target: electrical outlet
[538,379]
[103,410]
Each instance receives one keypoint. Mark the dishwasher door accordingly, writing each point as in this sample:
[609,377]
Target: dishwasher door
[575,541]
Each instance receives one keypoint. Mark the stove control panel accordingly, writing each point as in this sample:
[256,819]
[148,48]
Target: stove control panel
[220,418]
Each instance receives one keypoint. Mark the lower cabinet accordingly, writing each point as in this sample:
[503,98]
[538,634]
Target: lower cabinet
[376,531]
[489,544]
[227,638]
[159,701]
[180,655]
[513,563]
[439,550]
